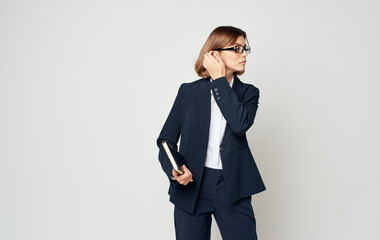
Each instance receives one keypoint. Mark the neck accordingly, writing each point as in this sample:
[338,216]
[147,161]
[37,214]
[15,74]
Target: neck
[229,77]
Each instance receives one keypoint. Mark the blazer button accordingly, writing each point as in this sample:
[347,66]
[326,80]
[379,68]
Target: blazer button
[218,98]
[221,148]
[215,89]
[217,93]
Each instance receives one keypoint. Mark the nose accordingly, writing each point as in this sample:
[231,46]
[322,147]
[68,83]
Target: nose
[245,53]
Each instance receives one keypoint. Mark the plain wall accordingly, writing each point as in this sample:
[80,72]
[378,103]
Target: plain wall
[85,88]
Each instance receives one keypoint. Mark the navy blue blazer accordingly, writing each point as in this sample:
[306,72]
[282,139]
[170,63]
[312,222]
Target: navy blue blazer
[189,119]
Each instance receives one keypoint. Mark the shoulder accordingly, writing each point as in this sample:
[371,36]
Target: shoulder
[248,88]
[189,86]
[246,85]
[194,83]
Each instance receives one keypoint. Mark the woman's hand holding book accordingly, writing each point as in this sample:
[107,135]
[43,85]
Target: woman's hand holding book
[184,178]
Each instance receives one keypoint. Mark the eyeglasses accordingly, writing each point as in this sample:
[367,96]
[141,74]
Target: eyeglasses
[238,49]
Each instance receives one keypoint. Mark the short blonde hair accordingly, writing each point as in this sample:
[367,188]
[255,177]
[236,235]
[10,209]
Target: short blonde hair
[218,38]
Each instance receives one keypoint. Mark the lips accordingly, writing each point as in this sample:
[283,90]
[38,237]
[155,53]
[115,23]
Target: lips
[243,62]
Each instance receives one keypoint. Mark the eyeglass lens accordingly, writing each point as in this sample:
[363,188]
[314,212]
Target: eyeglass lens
[240,49]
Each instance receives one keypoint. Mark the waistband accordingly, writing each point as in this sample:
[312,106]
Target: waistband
[213,172]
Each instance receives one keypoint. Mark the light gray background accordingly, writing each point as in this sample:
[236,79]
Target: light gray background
[87,85]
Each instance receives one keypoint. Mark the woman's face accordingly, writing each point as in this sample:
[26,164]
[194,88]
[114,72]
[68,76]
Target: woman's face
[233,61]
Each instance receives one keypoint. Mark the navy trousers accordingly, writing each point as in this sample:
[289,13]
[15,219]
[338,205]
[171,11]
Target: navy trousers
[235,221]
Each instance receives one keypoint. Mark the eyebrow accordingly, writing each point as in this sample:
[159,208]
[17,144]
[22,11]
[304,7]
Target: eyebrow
[240,44]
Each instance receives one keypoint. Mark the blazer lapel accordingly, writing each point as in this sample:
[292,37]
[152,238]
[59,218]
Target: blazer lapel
[236,86]
[205,109]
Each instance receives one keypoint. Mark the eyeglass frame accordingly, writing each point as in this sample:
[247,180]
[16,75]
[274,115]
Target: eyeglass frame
[235,49]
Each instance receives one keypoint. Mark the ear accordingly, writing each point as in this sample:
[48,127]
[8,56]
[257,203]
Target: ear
[217,56]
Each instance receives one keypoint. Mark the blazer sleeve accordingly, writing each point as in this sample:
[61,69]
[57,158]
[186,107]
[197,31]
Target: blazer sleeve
[170,132]
[239,115]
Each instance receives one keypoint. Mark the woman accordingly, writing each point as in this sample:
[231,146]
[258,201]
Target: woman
[212,115]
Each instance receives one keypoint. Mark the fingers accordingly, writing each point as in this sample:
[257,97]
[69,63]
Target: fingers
[186,170]
[218,58]
[213,62]
[209,58]
[206,60]
[184,178]
[174,173]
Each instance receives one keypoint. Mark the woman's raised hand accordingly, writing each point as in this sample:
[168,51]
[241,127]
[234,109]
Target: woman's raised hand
[214,64]
[184,178]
